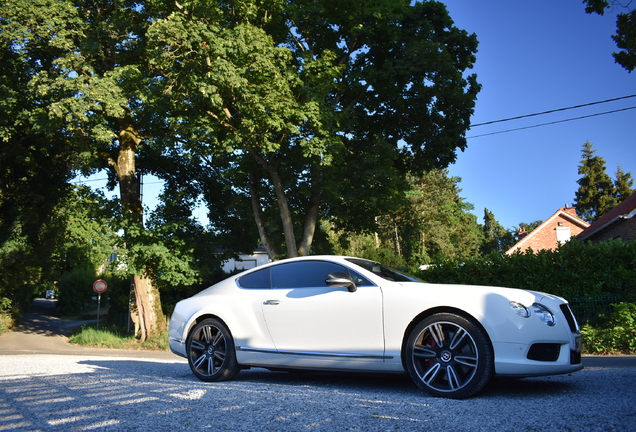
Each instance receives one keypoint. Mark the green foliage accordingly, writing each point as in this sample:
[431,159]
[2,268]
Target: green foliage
[22,270]
[618,336]
[76,291]
[114,337]
[287,111]
[111,337]
[495,237]
[623,184]
[596,193]
[87,230]
[364,246]
[433,223]
[6,316]
[574,269]
[625,36]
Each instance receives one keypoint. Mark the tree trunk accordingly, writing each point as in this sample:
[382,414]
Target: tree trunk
[150,314]
[268,244]
[311,218]
[285,215]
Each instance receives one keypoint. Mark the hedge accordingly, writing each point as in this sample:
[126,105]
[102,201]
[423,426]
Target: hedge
[590,275]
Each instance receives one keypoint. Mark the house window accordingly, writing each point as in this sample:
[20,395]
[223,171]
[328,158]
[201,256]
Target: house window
[563,234]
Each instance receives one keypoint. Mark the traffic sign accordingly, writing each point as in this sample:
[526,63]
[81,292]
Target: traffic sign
[99,286]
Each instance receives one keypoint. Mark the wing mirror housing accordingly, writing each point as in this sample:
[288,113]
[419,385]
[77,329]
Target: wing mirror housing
[341,280]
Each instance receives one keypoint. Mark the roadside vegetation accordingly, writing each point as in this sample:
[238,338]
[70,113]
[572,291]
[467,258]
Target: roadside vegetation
[114,337]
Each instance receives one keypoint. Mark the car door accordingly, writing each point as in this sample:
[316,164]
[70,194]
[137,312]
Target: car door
[307,318]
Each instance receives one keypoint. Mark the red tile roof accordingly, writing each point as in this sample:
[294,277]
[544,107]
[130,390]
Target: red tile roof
[626,207]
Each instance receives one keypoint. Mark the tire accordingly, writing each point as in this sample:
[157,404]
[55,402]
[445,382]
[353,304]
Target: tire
[449,356]
[211,353]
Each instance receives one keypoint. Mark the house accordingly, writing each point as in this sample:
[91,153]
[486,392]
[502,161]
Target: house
[618,223]
[246,261]
[557,229]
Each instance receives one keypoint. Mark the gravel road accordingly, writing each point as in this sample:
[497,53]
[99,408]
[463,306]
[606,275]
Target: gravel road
[77,393]
[48,385]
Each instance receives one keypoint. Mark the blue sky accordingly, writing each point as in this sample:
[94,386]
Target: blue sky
[536,56]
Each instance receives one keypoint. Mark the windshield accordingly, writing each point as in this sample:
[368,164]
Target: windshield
[383,271]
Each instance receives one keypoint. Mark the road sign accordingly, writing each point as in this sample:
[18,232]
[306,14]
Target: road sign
[99,286]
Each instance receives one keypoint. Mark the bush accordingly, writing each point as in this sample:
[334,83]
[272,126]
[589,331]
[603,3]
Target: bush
[618,336]
[76,290]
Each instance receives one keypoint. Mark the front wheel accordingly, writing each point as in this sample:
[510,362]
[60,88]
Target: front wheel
[449,356]
[211,353]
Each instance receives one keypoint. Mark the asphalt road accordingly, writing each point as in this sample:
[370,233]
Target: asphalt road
[41,332]
[48,384]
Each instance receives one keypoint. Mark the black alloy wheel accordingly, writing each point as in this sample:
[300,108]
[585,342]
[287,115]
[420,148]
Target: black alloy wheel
[449,356]
[211,353]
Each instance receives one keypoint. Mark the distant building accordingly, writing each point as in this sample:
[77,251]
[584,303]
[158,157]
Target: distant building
[558,228]
[246,261]
[618,223]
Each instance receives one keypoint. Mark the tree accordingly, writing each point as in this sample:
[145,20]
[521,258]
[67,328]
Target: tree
[88,77]
[34,170]
[85,220]
[597,194]
[434,223]
[496,237]
[298,110]
[625,36]
[623,184]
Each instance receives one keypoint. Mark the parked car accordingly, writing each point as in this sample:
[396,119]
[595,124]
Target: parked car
[50,294]
[350,314]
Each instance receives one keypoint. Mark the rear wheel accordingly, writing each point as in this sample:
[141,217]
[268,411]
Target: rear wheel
[211,353]
[449,356]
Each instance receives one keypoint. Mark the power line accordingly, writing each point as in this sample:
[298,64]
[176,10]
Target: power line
[553,111]
[554,122]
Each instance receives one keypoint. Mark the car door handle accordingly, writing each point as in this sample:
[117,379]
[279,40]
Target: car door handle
[271,302]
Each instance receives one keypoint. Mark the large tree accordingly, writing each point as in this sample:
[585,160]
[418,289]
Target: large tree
[302,109]
[625,36]
[35,166]
[434,223]
[597,193]
[88,76]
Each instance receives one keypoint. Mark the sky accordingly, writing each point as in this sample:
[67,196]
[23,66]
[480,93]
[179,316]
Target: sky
[534,56]
[537,56]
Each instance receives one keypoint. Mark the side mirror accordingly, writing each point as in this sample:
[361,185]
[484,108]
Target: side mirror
[340,280]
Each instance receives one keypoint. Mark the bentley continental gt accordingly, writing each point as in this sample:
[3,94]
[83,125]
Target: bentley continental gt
[334,313]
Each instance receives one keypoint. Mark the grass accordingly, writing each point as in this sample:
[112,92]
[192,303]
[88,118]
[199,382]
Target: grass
[6,322]
[112,337]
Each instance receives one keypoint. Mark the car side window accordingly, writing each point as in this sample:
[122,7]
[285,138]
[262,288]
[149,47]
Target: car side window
[256,280]
[303,274]
[359,280]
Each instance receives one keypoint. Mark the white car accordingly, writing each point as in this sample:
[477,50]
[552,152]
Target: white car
[350,314]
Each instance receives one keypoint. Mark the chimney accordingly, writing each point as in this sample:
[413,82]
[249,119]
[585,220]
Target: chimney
[521,234]
[570,210]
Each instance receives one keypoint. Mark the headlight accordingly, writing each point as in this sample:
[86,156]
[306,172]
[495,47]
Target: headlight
[544,314]
[519,309]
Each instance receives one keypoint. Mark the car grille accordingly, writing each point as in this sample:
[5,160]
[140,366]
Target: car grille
[544,352]
[569,317]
